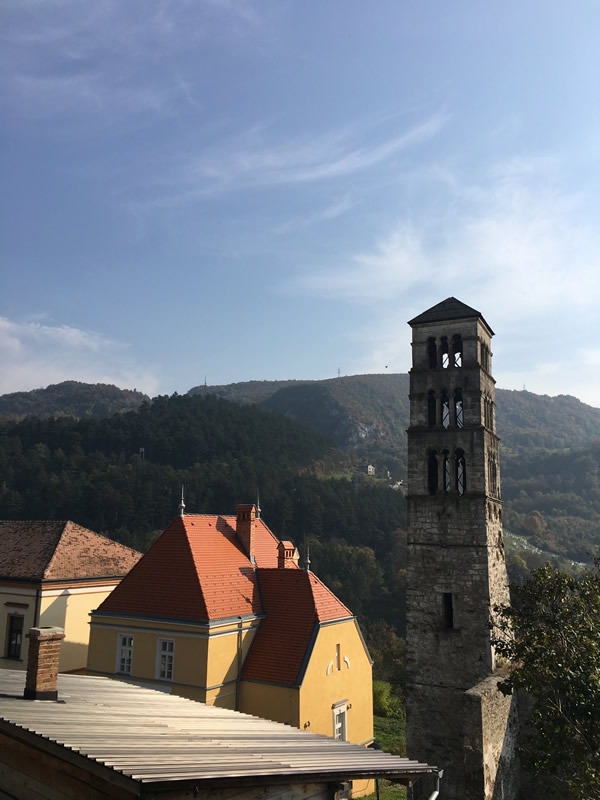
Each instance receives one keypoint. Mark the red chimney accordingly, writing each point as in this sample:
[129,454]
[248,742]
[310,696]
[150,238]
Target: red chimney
[246,515]
[287,555]
[41,682]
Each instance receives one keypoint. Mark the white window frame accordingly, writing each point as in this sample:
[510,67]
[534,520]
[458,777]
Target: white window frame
[124,653]
[340,720]
[165,659]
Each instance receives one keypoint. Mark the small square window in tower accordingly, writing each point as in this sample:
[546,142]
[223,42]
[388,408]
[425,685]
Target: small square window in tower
[448,611]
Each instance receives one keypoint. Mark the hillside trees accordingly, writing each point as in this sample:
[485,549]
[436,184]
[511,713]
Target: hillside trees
[551,636]
[122,476]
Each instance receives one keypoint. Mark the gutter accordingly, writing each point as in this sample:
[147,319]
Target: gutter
[436,792]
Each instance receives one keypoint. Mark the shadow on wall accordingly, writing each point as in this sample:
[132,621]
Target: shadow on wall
[73,657]
[491,729]
[508,774]
[55,614]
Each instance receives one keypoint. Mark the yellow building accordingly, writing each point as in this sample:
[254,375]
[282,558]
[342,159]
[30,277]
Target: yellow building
[218,610]
[54,573]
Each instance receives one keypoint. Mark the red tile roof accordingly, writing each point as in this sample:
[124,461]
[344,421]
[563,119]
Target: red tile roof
[295,602]
[196,570]
[46,550]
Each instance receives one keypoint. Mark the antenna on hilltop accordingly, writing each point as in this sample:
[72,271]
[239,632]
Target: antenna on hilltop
[257,504]
[182,503]
[307,559]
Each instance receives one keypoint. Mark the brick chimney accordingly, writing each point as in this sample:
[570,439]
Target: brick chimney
[287,555]
[41,682]
[246,516]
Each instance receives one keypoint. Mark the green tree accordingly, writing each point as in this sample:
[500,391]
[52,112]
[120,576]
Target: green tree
[551,636]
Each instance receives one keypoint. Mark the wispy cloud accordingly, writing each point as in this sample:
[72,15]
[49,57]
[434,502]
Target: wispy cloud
[257,158]
[333,210]
[515,240]
[35,355]
[304,161]
[516,246]
[70,58]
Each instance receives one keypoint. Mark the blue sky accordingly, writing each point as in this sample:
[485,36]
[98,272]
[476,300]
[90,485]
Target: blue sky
[238,190]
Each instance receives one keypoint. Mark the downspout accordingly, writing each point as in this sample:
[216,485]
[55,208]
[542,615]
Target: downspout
[38,603]
[436,793]
[239,664]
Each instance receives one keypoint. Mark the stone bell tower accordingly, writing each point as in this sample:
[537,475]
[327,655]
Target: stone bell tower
[456,717]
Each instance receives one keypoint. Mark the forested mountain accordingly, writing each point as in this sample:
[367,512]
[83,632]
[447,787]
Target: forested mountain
[551,484]
[369,414]
[122,475]
[549,445]
[70,399]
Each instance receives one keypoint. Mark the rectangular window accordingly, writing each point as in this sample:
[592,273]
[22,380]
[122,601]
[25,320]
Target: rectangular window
[448,610]
[15,636]
[339,722]
[338,657]
[124,653]
[166,654]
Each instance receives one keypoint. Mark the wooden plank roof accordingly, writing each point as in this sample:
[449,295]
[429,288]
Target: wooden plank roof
[147,739]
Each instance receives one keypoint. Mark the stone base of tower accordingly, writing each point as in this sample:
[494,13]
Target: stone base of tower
[491,725]
[470,735]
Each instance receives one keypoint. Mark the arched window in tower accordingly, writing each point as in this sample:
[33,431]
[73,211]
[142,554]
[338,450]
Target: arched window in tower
[432,472]
[485,356]
[446,470]
[445,410]
[459,414]
[432,352]
[444,353]
[461,472]
[493,474]
[487,411]
[431,408]
[457,347]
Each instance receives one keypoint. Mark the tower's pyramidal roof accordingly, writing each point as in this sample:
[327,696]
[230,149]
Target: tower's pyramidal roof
[448,309]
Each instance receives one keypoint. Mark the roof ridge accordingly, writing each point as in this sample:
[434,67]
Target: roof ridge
[193,557]
[324,587]
[55,548]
